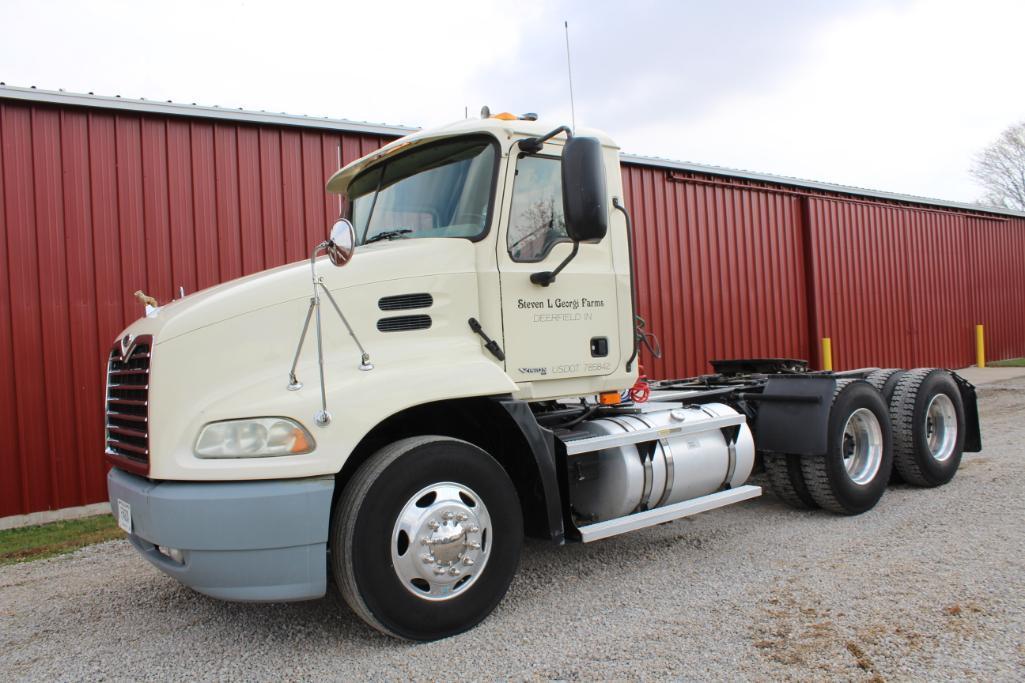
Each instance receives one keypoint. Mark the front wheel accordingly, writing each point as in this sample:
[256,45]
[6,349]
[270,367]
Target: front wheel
[426,537]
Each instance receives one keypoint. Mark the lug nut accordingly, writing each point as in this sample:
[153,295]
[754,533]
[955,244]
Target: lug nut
[473,529]
[439,571]
[427,558]
[448,515]
[462,517]
[425,541]
[468,561]
[433,524]
[454,571]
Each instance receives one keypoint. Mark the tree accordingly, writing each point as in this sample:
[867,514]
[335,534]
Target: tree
[1000,168]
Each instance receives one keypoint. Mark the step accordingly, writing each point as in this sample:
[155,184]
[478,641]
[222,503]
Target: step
[639,520]
[597,443]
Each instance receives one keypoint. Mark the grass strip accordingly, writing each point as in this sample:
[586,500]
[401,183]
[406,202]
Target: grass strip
[1009,363]
[56,538]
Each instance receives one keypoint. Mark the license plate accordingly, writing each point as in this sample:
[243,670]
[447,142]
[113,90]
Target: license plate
[124,516]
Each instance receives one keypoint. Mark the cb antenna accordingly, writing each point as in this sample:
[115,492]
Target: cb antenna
[569,69]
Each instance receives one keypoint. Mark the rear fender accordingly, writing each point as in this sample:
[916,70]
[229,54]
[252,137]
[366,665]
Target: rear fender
[793,414]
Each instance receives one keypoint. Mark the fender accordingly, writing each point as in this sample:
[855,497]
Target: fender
[801,401]
[542,447]
[973,432]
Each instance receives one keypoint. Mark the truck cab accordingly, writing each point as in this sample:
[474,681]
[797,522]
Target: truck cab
[472,183]
[397,424]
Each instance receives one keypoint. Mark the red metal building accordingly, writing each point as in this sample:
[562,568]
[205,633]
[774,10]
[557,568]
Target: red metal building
[100,197]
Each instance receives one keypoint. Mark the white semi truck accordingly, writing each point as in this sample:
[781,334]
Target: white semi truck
[396,426]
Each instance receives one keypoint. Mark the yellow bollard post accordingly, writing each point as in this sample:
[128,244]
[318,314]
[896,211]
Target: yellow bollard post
[827,353]
[980,347]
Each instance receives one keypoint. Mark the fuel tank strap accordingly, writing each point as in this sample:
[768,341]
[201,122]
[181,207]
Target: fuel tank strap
[597,443]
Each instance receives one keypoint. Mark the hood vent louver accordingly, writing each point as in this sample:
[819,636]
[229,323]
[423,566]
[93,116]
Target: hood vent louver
[405,302]
[404,323]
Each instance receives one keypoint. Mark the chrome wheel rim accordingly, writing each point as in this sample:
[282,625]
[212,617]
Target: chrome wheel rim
[941,427]
[441,541]
[862,446]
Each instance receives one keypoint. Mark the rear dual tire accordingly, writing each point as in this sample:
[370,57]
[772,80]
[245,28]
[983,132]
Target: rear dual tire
[922,428]
[928,422]
[851,476]
[885,381]
[787,481]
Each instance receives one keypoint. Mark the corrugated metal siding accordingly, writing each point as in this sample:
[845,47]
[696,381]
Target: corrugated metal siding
[720,272]
[96,204]
[996,268]
[730,268]
[889,285]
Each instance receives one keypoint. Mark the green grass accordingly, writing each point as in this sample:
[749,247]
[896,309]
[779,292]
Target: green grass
[1009,363]
[47,540]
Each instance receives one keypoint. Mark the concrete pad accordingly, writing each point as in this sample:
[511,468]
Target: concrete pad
[980,376]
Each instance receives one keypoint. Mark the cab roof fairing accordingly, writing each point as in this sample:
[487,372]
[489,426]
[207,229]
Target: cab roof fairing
[501,130]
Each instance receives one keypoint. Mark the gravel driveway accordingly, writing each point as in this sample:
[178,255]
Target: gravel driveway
[929,585]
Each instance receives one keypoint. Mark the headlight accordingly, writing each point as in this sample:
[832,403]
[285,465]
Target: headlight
[257,437]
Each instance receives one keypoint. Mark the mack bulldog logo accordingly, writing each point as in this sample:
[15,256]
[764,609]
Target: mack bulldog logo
[127,346]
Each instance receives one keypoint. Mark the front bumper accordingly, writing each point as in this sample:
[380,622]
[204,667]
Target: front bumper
[250,541]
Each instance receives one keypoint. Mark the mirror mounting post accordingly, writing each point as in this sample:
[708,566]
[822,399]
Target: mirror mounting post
[584,197]
[547,277]
[339,249]
[535,145]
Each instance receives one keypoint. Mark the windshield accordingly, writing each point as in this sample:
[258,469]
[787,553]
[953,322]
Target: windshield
[441,190]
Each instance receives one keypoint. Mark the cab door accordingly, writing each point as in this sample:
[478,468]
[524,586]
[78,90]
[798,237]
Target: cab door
[569,329]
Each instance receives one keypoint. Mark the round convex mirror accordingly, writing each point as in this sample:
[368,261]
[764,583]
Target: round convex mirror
[342,243]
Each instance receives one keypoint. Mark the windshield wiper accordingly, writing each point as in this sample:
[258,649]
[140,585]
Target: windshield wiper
[388,235]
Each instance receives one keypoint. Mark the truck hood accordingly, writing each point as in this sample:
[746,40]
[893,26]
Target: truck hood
[381,262]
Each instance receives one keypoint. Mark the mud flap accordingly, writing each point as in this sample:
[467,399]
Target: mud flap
[793,414]
[973,433]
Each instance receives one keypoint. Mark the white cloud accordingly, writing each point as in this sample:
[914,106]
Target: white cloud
[394,62]
[894,99]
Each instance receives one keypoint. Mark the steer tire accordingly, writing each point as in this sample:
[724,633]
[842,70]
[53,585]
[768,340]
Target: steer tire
[829,482]
[364,528]
[787,481]
[910,412]
[885,381]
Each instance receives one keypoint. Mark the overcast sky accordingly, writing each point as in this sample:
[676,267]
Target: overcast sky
[887,94]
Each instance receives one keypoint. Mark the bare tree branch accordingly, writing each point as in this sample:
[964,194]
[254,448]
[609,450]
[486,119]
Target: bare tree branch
[1000,168]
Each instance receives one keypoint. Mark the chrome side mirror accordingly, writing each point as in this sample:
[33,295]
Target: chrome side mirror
[342,243]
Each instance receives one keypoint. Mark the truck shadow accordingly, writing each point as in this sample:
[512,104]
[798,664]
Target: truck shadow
[574,572]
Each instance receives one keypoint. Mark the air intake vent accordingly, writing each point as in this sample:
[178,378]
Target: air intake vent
[404,323]
[404,302]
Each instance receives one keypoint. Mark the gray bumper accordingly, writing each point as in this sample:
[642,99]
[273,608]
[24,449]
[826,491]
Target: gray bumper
[252,541]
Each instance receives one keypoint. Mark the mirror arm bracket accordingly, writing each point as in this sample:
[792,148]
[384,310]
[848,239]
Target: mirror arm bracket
[535,145]
[547,277]
[322,417]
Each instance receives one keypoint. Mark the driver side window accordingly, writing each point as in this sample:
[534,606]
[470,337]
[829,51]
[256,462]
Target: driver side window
[536,221]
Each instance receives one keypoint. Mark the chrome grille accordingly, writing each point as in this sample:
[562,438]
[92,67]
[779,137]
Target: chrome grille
[127,422]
